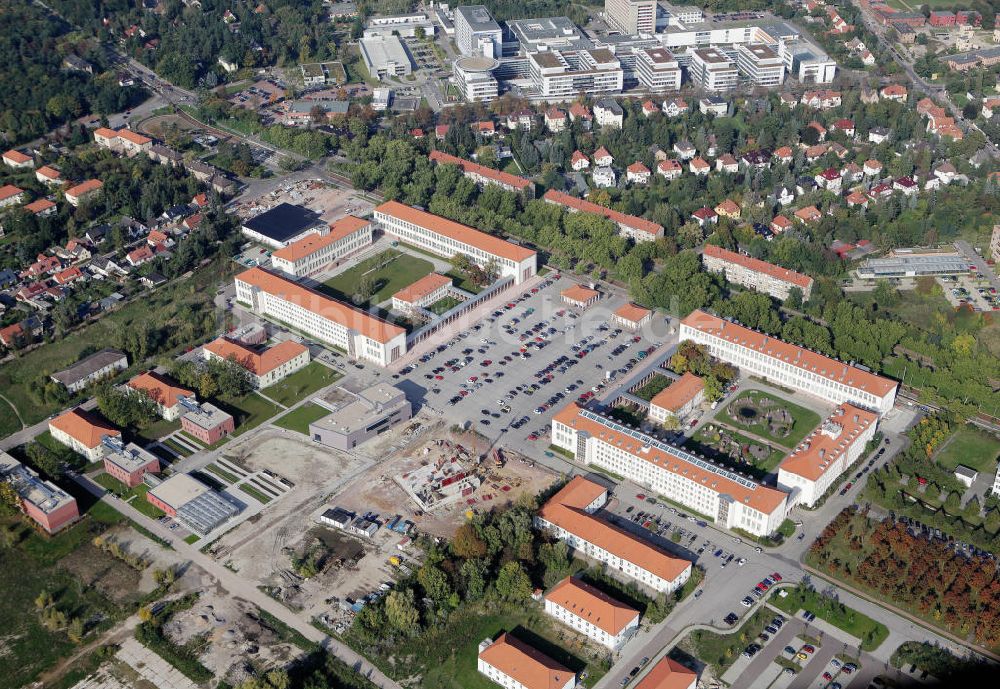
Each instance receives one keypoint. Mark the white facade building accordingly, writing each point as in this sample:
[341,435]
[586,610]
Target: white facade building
[359,334]
[657,69]
[631,16]
[447,238]
[592,612]
[755,274]
[474,78]
[761,65]
[566,74]
[265,367]
[320,249]
[826,453]
[476,32]
[712,70]
[569,516]
[727,498]
[787,364]
[513,664]
[809,64]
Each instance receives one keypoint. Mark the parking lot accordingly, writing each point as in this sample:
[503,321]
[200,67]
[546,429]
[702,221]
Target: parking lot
[968,290]
[533,354]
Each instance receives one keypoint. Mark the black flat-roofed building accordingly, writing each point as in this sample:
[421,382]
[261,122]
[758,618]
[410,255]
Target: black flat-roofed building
[283,225]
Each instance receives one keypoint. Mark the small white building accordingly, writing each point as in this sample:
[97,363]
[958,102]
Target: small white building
[966,475]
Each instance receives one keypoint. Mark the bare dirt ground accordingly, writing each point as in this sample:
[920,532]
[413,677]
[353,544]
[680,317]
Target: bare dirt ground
[154,125]
[329,201]
[231,636]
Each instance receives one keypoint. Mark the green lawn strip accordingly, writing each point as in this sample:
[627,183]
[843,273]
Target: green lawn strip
[298,419]
[176,447]
[721,650]
[144,506]
[249,411]
[803,420]
[46,440]
[444,304]
[971,447]
[653,387]
[561,451]
[191,539]
[302,383]
[264,487]
[9,423]
[113,485]
[254,493]
[221,473]
[192,440]
[162,453]
[871,632]
[403,270]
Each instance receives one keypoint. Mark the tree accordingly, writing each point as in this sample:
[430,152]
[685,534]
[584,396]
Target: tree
[513,583]
[434,582]
[467,544]
[75,630]
[794,299]
[126,409]
[713,388]
[401,611]
[474,579]
[671,423]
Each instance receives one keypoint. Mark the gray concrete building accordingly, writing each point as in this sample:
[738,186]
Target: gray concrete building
[97,366]
[476,32]
[355,418]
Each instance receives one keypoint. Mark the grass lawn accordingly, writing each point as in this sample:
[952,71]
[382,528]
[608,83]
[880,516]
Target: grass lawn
[8,420]
[141,504]
[255,494]
[177,447]
[157,430]
[113,485]
[446,659]
[871,632]
[221,473]
[403,270]
[161,308]
[971,447]
[191,439]
[191,539]
[803,420]
[464,283]
[299,419]
[303,382]
[249,411]
[656,384]
[442,305]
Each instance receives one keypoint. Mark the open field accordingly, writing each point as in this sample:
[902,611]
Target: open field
[972,447]
[299,419]
[249,411]
[302,383]
[159,308]
[403,270]
[860,626]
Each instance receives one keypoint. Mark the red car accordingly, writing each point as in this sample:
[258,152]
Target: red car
[827,676]
[640,496]
[776,576]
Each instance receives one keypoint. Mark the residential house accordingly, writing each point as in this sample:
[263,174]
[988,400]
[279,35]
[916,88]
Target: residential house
[945,172]
[578,161]
[18,160]
[783,154]
[895,92]
[670,168]
[84,191]
[907,185]
[857,199]
[608,112]
[41,208]
[555,119]
[784,196]
[578,112]
[820,130]
[522,119]
[728,209]
[699,167]
[878,135]
[637,173]
[808,215]
[139,256]
[602,158]
[649,108]
[163,391]
[705,216]
[727,163]
[685,150]
[830,180]
[713,105]
[12,196]
[604,177]
[674,107]
[48,175]
[83,432]
[780,223]
[845,126]
[823,99]
[872,168]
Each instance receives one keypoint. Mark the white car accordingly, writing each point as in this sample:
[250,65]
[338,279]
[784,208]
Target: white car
[747,602]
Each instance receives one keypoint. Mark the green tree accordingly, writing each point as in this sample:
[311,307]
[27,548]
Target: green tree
[434,582]
[401,611]
[512,582]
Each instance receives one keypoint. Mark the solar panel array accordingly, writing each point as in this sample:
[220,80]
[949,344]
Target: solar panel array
[669,449]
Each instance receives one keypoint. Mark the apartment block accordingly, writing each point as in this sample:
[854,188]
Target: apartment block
[634,227]
[592,612]
[789,365]
[569,515]
[482,175]
[447,238]
[359,334]
[712,70]
[565,74]
[474,78]
[83,432]
[267,366]
[513,664]
[826,453]
[755,274]
[760,64]
[727,498]
[318,250]
[631,16]
[49,506]
[657,69]
[476,32]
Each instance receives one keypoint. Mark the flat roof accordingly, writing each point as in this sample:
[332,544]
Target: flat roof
[207,416]
[283,222]
[379,51]
[926,263]
[477,17]
[179,489]
[357,413]
[456,231]
[44,495]
[129,457]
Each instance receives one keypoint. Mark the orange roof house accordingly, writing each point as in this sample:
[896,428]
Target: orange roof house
[669,674]
[728,209]
[524,664]
[593,605]
[159,388]
[426,285]
[83,427]
[257,363]
[809,214]
[580,296]
[679,394]
[632,315]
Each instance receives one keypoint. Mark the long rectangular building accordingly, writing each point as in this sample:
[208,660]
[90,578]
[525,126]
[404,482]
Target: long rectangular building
[592,612]
[359,334]
[480,174]
[754,273]
[513,664]
[789,365]
[569,516]
[826,453]
[639,229]
[729,499]
[318,250]
[447,238]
